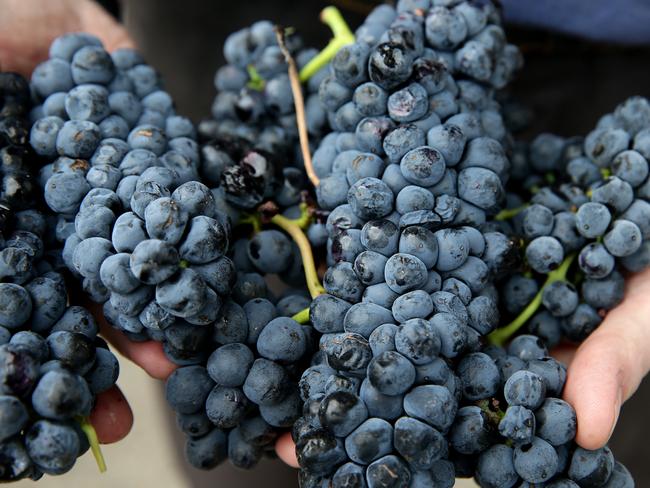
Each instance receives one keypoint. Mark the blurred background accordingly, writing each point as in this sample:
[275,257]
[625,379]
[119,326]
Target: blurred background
[567,83]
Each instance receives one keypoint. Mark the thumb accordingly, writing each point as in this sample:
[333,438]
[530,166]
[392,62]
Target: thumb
[96,20]
[286,450]
[610,364]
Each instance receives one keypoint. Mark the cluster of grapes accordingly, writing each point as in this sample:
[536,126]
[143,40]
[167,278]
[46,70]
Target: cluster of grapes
[415,239]
[151,243]
[596,212]
[235,404]
[535,426]
[16,165]
[52,363]
[111,145]
[254,101]
[389,94]
[409,69]
[431,234]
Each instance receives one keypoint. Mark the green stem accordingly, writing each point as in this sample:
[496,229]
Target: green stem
[500,336]
[342,37]
[305,217]
[91,435]
[510,213]
[492,410]
[299,237]
[302,317]
[256,81]
[252,219]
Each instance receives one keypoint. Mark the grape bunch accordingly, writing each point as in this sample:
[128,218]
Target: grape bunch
[525,431]
[16,170]
[235,404]
[254,101]
[407,94]
[154,246]
[596,214]
[52,362]
[441,239]
[408,70]
[401,393]
[112,144]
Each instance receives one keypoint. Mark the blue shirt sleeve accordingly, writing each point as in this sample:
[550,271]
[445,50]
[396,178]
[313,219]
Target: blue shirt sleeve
[621,21]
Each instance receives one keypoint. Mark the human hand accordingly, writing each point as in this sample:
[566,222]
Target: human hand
[608,367]
[27,28]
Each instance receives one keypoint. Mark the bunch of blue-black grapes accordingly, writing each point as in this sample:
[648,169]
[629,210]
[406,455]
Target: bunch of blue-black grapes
[234,404]
[401,393]
[516,426]
[410,69]
[584,200]
[254,100]
[411,84]
[250,151]
[154,246]
[16,161]
[52,362]
[111,144]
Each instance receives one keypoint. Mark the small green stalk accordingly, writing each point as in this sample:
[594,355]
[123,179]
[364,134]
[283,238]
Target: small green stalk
[256,82]
[305,217]
[302,317]
[492,410]
[299,237]
[253,220]
[91,435]
[510,213]
[500,336]
[342,37]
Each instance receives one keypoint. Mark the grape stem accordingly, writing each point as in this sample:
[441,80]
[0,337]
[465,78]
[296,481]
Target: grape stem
[253,220]
[256,81]
[302,317]
[510,213]
[492,410]
[500,336]
[342,37]
[91,435]
[299,104]
[305,217]
[299,237]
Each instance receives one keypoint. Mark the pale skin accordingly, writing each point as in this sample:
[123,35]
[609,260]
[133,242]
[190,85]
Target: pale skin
[603,372]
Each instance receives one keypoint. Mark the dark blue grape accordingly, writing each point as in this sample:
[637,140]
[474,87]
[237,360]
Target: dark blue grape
[470,433]
[418,443]
[266,382]
[536,462]
[391,373]
[591,467]
[495,467]
[52,446]
[518,424]
[432,404]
